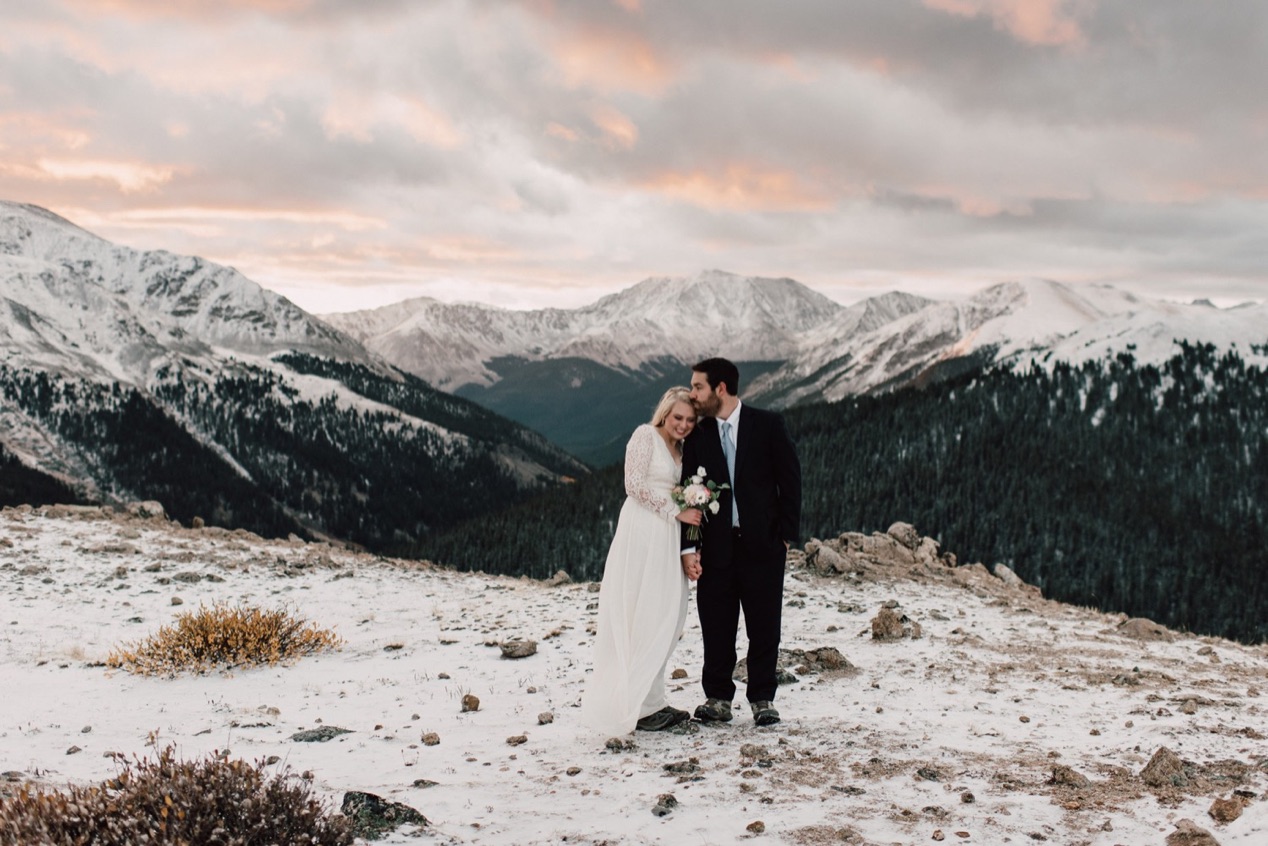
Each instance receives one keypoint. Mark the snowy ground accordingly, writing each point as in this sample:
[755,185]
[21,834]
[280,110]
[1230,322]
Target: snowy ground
[951,736]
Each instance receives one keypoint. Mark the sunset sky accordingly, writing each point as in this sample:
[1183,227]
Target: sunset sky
[352,153]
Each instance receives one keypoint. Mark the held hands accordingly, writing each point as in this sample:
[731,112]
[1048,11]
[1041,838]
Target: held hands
[690,516]
[691,565]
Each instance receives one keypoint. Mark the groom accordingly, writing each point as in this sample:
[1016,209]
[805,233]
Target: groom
[739,560]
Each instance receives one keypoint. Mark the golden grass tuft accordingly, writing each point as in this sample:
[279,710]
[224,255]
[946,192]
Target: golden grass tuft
[169,803]
[224,636]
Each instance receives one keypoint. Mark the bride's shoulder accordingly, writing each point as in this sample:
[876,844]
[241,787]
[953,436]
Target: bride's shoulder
[643,430]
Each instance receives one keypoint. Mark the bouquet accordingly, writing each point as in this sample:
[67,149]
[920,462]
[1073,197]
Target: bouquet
[698,493]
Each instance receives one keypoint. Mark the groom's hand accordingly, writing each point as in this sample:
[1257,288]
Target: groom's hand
[691,565]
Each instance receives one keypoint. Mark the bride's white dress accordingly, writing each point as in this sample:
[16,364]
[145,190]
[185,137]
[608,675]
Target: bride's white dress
[643,599]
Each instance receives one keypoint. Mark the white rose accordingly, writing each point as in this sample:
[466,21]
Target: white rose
[713,507]
[700,471]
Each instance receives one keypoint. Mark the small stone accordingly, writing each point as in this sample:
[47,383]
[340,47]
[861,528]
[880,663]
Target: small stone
[85,730]
[271,760]
[1024,719]
[1189,707]
[392,647]
[424,783]
[430,738]
[73,750]
[572,771]
[938,835]
[1165,769]
[755,827]
[442,675]
[1226,810]
[967,798]
[319,735]
[1189,833]
[176,600]
[545,718]
[518,648]
[678,673]
[1062,774]
[517,739]
[470,702]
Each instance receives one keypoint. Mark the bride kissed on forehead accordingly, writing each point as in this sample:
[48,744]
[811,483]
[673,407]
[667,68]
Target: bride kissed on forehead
[643,598]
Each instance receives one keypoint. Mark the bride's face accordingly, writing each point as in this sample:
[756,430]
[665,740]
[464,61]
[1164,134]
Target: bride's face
[680,420]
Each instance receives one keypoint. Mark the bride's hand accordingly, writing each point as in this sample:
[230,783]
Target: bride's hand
[690,516]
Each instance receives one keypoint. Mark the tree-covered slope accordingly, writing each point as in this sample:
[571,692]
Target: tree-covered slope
[1134,488]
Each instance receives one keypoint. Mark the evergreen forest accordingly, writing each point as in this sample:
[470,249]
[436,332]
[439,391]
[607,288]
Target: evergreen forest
[1128,487]
[241,447]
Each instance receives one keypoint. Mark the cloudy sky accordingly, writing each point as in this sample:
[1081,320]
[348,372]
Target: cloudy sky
[351,153]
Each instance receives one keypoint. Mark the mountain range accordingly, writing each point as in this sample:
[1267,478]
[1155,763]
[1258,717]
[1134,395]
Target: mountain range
[120,369]
[585,377]
[126,374]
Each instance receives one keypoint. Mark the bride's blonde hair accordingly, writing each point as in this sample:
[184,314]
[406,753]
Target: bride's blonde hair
[671,398]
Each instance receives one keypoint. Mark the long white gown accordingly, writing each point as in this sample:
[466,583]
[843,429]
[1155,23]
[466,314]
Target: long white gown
[643,598]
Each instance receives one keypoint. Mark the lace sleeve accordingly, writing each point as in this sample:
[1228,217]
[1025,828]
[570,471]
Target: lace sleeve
[639,454]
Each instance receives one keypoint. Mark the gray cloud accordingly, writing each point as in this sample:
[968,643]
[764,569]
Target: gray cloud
[539,148]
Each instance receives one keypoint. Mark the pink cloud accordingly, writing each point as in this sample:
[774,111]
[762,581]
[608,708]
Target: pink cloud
[1051,22]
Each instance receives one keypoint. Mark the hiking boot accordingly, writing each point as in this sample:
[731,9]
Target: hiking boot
[666,717]
[714,711]
[764,713]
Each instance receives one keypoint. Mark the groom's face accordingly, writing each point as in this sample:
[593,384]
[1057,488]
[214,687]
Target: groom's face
[703,397]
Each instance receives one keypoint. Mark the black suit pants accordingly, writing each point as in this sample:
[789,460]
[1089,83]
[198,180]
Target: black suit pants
[752,581]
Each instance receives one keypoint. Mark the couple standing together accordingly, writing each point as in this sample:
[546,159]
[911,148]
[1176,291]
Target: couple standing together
[738,562]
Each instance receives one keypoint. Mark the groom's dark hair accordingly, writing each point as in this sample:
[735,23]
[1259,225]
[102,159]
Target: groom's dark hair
[719,370]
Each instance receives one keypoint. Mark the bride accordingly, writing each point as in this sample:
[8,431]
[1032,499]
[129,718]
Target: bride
[643,599]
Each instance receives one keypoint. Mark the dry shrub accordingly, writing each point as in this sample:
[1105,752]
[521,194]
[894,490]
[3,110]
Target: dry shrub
[224,636]
[169,802]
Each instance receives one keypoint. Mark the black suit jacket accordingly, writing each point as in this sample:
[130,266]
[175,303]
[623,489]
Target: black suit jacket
[767,484]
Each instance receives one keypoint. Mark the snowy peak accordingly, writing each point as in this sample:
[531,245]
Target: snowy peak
[659,318]
[79,304]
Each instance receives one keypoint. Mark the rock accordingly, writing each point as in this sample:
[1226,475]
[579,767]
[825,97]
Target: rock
[755,827]
[890,625]
[470,702]
[678,673]
[619,744]
[517,740]
[73,750]
[319,735]
[519,648]
[1226,810]
[188,577]
[687,767]
[1062,774]
[431,739]
[560,578]
[545,718]
[373,816]
[1006,575]
[906,534]
[197,523]
[145,510]
[424,783]
[665,804]
[1143,629]
[827,561]
[176,600]
[572,771]
[1188,833]
[1165,769]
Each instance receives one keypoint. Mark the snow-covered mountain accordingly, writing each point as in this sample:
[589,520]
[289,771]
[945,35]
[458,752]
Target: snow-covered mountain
[75,303]
[1014,323]
[658,319]
[123,372]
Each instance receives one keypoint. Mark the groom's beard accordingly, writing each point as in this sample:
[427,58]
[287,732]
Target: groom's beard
[710,406]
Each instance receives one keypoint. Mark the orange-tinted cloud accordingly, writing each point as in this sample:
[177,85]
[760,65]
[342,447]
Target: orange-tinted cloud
[619,132]
[129,177]
[1053,22]
[355,115]
[611,61]
[742,186]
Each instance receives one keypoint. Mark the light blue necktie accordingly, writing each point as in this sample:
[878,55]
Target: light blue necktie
[728,447]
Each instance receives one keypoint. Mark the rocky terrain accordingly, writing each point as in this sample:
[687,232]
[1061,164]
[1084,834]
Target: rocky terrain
[924,699]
